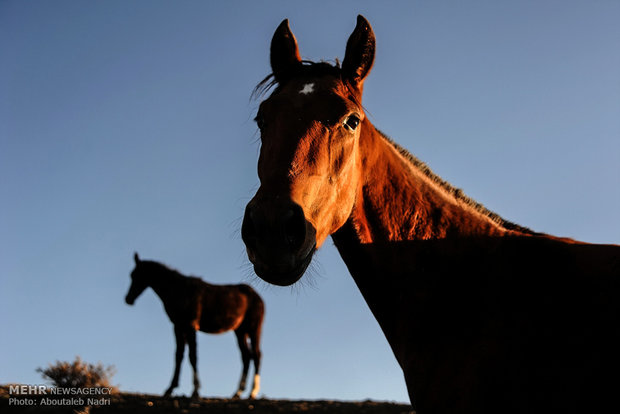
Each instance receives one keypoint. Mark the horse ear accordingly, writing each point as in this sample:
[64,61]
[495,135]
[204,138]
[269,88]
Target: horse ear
[360,53]
[285,57]
[136,258]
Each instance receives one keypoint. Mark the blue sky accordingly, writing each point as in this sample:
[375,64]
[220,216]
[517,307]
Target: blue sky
[127,126]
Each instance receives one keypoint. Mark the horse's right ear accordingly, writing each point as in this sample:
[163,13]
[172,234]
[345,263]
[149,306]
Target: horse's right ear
[285,58]
[136,258]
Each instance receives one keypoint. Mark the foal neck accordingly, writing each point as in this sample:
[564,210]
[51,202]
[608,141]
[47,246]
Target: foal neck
[399,201]
[163,279]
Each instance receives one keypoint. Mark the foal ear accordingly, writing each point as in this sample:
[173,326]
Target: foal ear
[360,53]
[285,57]
[136,258]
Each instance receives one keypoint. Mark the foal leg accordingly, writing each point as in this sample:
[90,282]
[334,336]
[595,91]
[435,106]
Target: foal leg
[180,338]
[193,359]
[242,340]
[256,356]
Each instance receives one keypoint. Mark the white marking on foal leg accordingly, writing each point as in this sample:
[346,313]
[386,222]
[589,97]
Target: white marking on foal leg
[256,386]
[241,388]
[307,89]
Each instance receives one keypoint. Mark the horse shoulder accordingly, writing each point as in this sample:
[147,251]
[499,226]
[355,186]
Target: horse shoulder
[184,304]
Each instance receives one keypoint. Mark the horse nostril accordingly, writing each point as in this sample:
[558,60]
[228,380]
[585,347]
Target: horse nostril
[294,226]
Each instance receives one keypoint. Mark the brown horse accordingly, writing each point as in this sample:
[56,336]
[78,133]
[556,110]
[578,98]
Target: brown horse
[483,315]
[194,305]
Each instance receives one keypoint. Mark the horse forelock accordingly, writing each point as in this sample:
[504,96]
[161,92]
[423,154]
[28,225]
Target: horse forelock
[307,68]
[456,192]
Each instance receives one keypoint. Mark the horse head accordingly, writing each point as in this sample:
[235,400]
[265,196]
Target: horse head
[139,281]
[308,167]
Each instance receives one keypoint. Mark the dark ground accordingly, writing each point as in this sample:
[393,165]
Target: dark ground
[150,404]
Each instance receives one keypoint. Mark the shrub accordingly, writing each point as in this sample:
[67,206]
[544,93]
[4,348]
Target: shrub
[78,374]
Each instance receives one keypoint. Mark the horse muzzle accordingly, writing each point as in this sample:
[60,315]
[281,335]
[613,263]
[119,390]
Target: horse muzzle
[280,242]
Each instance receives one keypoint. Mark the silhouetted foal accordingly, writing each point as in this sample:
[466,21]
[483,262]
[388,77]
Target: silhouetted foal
[192,305]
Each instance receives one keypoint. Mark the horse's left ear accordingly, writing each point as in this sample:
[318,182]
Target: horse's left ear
[136,258]
[284,53]
[360,53]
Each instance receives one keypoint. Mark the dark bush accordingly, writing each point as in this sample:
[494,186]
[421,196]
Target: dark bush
[78,374]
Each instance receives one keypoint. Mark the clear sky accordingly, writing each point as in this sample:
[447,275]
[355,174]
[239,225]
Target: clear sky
[127,126]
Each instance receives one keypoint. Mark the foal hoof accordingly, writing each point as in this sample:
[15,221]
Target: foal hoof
[195,395]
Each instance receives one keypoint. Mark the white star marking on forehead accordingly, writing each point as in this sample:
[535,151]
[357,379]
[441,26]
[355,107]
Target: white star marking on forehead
[308,88]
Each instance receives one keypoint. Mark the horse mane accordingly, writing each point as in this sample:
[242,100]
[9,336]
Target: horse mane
[322,68]
[161,268]
[454,191]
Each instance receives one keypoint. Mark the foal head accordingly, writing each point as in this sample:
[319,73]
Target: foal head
[308,164]
[139,280]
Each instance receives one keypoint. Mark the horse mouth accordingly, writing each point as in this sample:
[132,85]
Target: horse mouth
[287,277]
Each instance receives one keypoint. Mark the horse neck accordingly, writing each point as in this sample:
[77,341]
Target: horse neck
[398,201]
[162,281]
[399,207]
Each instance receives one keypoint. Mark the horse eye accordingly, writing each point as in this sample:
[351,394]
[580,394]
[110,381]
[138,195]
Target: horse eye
[351,122]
